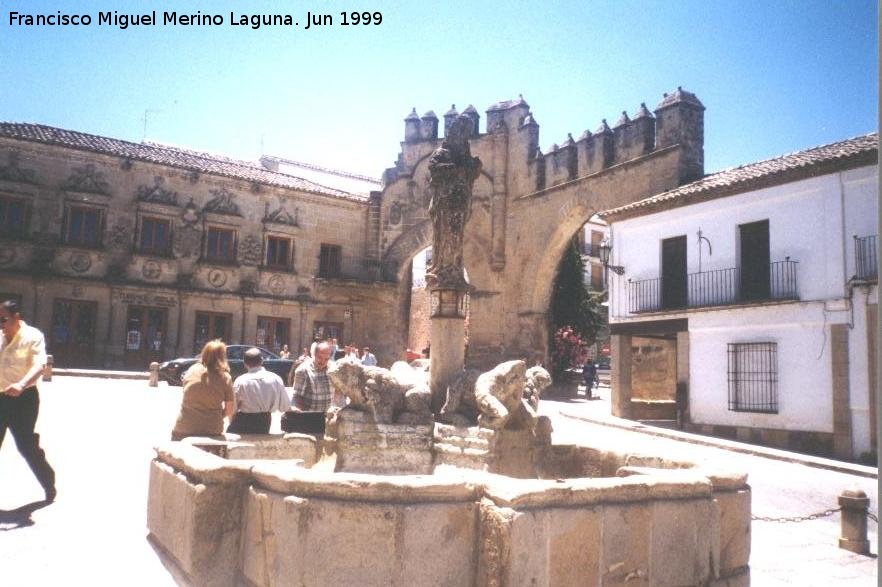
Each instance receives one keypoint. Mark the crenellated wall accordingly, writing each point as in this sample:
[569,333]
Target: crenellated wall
[527,205]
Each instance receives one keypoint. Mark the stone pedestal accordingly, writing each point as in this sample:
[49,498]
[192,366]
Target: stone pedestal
[517,453]
[363,446]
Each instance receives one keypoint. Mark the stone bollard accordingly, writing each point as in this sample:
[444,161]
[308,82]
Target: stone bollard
[854,504]
[154,374]
[47,368]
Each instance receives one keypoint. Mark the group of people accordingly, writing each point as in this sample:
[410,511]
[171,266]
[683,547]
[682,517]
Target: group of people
[210,394]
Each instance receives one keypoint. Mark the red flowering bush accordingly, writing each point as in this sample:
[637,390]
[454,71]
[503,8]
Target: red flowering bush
[567,350]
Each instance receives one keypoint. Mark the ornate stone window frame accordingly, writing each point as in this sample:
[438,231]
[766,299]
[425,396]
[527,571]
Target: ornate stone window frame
[163,212]
[19,232]
[96,205]
[288,265]
[211,226]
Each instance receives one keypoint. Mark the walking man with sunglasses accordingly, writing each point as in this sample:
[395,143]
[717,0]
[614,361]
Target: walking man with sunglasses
[22,356]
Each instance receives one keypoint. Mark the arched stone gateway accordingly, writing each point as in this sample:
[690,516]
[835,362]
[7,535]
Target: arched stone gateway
[527,205]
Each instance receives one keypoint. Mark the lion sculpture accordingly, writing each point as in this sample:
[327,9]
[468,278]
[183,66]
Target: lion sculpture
[380,393]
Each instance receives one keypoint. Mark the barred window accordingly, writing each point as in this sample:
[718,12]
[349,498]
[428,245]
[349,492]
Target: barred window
[329,260]
[753,377]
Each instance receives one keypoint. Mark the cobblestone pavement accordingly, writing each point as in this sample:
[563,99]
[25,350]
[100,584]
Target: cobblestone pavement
[99,434]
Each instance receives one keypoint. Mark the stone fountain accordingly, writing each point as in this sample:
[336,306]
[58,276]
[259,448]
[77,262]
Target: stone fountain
[449,478]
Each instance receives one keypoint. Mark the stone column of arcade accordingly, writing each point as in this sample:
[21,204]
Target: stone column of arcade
[452,172]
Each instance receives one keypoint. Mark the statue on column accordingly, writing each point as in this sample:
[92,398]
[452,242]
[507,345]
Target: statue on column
[452,171]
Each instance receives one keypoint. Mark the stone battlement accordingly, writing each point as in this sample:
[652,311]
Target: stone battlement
[678,120]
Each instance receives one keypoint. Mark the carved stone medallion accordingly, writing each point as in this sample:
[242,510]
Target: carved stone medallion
[277,284]
[151,270]
[217,278]
[80,262]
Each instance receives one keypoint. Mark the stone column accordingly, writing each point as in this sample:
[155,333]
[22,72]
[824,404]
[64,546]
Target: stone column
[683,378]
[620,351]
[447,331]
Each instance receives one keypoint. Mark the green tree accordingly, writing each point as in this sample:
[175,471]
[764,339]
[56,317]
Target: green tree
[573,306]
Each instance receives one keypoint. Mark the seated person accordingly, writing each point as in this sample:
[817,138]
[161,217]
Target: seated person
[258,393]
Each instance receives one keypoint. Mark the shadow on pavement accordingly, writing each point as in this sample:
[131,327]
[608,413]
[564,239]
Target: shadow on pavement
[20,517]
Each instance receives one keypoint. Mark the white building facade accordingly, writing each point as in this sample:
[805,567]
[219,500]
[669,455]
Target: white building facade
[762,280]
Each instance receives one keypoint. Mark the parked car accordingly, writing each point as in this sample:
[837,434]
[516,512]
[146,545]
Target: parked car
[171,371]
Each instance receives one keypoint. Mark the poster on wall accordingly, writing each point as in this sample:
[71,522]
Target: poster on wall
[133,340]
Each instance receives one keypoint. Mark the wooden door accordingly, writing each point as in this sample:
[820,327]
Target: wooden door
[209,326]
[72,340]
[145,336]
[755,262]
[673,282]
[272,333]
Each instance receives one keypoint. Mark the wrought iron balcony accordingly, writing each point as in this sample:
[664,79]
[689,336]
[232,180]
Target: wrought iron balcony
[720,287]
[866,267]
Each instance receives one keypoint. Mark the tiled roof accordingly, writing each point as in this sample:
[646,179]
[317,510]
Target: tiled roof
[855,152]
[166,155]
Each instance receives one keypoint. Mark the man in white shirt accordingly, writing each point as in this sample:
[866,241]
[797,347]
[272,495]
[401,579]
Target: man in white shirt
[258,393]
[22,356]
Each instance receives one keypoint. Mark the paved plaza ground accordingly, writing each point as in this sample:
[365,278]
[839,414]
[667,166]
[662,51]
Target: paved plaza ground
[99,434]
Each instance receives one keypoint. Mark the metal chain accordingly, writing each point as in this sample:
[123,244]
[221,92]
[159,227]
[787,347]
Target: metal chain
[823,514]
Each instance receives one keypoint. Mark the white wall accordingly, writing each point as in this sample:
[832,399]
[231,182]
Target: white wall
[859,368]
[806,223]
[861,193]
[811,221]
[804,364]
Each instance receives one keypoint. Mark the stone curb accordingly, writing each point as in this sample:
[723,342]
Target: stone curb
[100,374]
[760,451]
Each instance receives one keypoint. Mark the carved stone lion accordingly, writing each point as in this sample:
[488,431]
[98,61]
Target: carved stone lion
[380,393]
[502,397]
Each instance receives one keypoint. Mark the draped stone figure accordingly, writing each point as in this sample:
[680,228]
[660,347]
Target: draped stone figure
[452,171]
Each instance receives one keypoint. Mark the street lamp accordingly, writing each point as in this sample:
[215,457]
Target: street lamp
[605,249]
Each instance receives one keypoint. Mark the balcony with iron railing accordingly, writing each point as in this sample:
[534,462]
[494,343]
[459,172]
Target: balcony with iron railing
[866,267]
[719,287]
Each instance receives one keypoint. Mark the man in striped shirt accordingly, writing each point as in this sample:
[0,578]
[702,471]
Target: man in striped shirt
[312,388]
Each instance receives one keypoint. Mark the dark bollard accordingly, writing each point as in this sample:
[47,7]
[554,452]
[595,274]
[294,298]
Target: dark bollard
[854,504]
[47,368]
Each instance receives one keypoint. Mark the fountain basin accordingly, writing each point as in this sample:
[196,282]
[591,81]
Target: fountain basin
[597,518]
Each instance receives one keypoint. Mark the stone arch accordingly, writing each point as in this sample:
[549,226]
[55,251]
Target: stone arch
[570,222]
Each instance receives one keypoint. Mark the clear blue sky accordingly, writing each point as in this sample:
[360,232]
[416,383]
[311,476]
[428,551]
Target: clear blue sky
[774,76]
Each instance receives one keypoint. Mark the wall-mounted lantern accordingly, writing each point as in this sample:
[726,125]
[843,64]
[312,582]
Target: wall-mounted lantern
[605,249]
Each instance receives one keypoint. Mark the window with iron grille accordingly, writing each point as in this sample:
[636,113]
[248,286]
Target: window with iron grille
[155,236]
[753,377]
[329,261]
[13,217]
[219,244]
